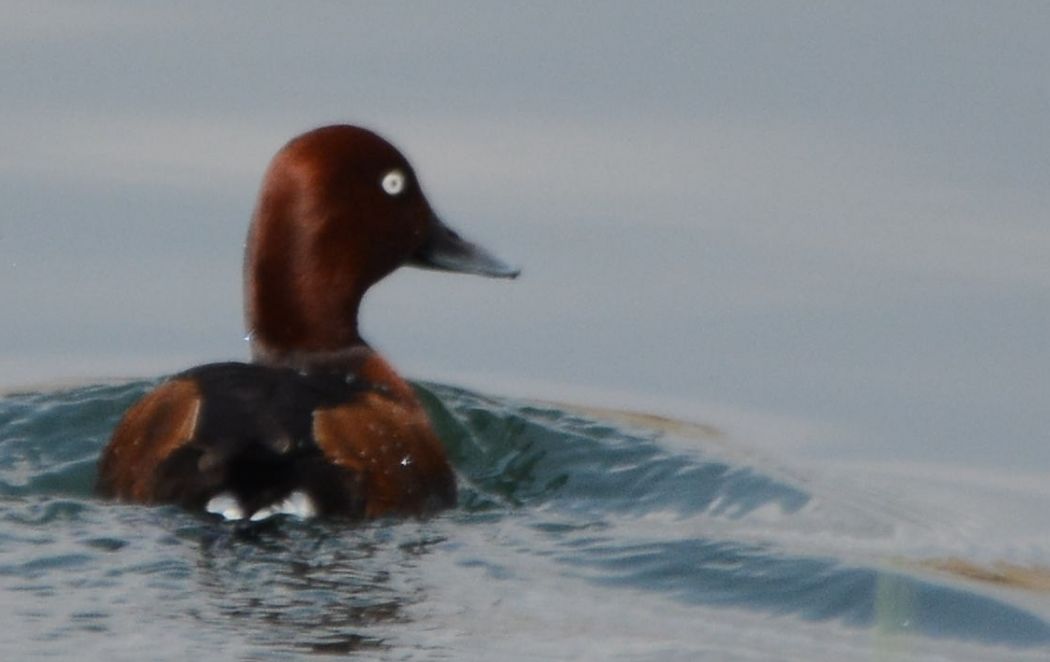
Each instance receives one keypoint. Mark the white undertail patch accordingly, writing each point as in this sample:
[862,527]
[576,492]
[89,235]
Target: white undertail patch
[226,506]
[297,504]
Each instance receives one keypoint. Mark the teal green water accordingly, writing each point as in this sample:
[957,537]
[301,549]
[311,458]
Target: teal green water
[574,538]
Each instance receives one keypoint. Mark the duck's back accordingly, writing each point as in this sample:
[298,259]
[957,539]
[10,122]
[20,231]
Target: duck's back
[244,437]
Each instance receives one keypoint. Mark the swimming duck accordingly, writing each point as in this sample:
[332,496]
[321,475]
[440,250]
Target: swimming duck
[317,423]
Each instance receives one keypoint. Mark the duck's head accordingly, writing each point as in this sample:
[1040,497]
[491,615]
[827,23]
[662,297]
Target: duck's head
[339,209]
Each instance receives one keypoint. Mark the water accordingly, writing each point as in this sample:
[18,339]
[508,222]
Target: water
[579,535]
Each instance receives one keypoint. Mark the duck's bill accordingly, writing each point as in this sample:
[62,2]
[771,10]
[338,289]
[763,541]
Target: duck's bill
[445,250]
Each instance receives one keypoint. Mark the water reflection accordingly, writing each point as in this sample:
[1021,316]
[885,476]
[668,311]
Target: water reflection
[313,586]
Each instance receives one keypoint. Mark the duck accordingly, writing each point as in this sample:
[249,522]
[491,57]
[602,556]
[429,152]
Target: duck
[316,423]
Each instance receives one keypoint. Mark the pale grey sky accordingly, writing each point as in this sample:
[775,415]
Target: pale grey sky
[821,211]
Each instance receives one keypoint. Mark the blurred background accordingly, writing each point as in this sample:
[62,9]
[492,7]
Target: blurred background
[822,227]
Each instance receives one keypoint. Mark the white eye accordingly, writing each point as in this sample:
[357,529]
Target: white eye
[394,182]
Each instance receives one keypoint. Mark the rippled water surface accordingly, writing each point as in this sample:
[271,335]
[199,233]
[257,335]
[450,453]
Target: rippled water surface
[575,537]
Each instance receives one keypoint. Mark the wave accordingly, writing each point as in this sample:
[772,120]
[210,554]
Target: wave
[628,510]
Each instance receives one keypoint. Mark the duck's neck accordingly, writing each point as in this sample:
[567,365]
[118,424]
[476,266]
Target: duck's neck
[288,313]
[301,295]
[359,362]
[346,361]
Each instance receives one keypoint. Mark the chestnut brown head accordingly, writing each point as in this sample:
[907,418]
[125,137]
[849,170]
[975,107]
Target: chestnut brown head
[339,209]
